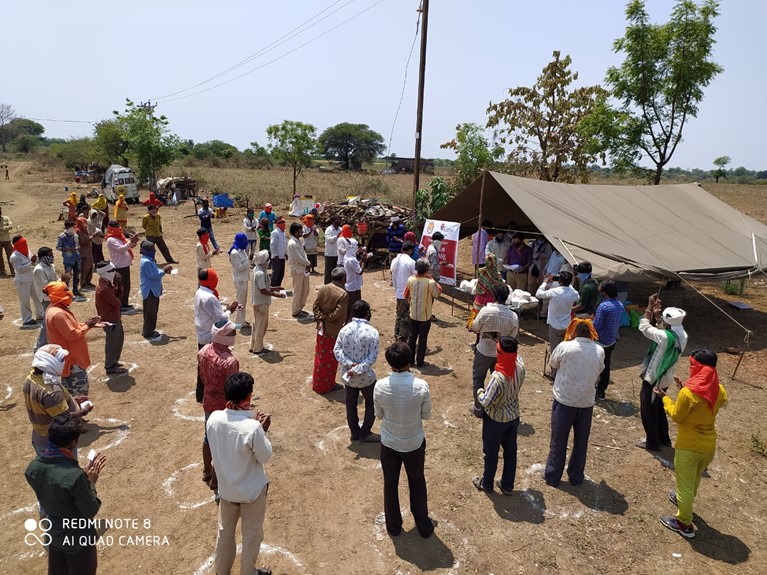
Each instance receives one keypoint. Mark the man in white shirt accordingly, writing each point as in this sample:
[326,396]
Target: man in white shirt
[561,300]
[24,280]
[578,363]
[494,321]
[278,245]
[299,269]
[44,273]
[354,265]
[331,246]
[240,448]
[402,268]
[261,299]
[356,350]
[401,402]
[121,255]
[498,246]
[238,257]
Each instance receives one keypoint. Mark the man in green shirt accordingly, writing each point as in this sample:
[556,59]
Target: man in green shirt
[589,291]
[68,494]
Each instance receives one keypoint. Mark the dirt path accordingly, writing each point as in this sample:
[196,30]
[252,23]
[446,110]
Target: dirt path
[325,499]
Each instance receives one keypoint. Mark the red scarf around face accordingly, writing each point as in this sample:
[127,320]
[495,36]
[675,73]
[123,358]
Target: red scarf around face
[212,282]
[204,239]
[21,246]
[703,382]
[118,233]
[506,362]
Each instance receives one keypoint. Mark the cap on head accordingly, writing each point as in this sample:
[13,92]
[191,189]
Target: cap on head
[673,316]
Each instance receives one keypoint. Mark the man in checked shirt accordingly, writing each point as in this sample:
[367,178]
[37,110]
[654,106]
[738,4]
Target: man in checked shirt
[493,322]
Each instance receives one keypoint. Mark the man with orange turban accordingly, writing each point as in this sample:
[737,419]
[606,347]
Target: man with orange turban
[64,330]
[578,360]
[342,244]
[24,280]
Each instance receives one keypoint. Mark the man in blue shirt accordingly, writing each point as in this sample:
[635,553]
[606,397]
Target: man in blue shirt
[607,323]
[70,253]
[395,235]
[151,288]
[205,213]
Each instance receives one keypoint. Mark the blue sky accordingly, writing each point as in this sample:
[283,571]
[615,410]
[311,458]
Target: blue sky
[80,59]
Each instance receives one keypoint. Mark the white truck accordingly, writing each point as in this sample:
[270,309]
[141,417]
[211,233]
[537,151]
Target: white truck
[120,180]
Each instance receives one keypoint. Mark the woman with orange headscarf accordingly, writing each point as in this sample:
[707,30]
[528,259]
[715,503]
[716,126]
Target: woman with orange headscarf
[694,412]
[121,211]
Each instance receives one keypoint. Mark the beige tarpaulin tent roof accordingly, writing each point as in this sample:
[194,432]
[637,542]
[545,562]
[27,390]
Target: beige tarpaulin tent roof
[626,232]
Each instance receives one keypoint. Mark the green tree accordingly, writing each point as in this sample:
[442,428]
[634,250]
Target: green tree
[25,143]
[660,83]
[473,154]
[542,125]
[351,144]
[25,127]
[721,163]
[258,156]
[428,201]
[111,141]
[292,144]
[7,116]
[150,142]
[76,152]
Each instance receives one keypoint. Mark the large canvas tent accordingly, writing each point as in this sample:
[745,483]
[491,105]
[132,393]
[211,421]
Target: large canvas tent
[626,232]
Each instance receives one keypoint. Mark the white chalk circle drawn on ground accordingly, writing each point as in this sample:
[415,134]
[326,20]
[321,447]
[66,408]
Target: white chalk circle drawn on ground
[447,531]
[20,324]
[336,443]
[169,486]
[131,368]
[445,419]
[267,550]
[536,470]
[276,315]
[116,430]
[26,510]
[91,368]
[8,392]
[181,410]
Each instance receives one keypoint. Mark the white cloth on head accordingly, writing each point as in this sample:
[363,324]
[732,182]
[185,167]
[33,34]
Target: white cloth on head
[260,258]
[107,272]
[52,365]
[219,334]
[673,316]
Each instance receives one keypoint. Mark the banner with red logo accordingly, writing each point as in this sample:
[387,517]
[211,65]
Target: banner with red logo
[448,251]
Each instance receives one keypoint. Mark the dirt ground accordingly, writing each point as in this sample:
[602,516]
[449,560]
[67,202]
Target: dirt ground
[325,510]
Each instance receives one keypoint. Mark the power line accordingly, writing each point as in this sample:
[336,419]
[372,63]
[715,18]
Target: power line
[66,121]
[404,82]
[358,14]
[268,48]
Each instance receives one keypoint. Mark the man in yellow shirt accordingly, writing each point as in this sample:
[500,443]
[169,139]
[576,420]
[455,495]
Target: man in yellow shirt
[694,412]
[420,292]
[152,224]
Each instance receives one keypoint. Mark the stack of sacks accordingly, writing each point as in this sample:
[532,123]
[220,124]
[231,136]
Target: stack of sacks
[519,298]
[468,286]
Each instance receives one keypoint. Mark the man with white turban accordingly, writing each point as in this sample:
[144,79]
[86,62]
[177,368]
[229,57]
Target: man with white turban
[668,342]
[45,397]
[216,363]
[261,299]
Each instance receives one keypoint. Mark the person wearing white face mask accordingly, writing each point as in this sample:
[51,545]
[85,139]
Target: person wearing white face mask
[45,397]
[108,303]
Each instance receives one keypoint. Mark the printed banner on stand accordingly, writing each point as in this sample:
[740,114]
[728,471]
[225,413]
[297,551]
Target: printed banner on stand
[448,251]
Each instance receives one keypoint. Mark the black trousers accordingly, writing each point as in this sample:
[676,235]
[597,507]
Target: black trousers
[83,562]
[354,296]
[278,272]
[653,418]
[330,263]
[352,395]
[419,332]
[125,275]
[604,377]
[563,419]
[391,464]
[150,309]
[159,241]
[113,345]
[497,435]
[200,389]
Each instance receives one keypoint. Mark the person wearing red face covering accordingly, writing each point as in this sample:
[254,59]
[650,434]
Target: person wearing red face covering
[278,244]
[694,412]
[202,250]
[24,266]
[342,244]
[64,330]
[500,420]
[152,201]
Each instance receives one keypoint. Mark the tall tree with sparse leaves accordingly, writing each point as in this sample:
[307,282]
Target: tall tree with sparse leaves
[542,125]
[721,163]
[7,115]
[292,144]
[660,83]
[351,144]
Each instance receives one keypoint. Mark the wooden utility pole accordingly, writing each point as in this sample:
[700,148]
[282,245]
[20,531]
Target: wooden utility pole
[419,113]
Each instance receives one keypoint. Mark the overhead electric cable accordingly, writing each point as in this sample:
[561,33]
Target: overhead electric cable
[300,29]
[66,121]
[357,15]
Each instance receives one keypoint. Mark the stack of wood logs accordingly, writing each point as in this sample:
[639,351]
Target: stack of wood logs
[376,215]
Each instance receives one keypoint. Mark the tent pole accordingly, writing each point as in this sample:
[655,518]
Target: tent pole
[480,220]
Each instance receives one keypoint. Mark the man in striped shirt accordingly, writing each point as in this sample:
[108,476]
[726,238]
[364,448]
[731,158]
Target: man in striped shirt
[420,292]
[493,321]
[500,420]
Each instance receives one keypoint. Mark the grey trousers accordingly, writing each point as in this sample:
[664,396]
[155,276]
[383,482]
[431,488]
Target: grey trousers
[563,419]
[483,365]
[42,337]
[113,346]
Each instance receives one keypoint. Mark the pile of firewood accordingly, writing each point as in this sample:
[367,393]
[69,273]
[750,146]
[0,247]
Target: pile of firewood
[374,213]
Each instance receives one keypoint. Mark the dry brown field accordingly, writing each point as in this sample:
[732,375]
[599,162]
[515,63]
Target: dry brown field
[325,507]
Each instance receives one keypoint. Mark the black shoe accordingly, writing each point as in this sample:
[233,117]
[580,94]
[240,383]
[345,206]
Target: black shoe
[600,395]
[29,322]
